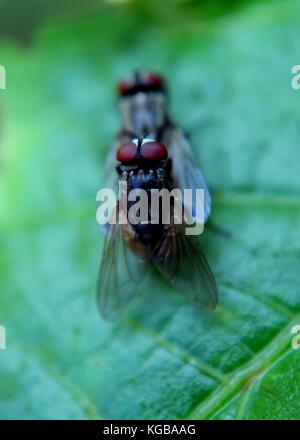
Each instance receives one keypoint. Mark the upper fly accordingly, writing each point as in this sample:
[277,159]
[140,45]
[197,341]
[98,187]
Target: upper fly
[143,103]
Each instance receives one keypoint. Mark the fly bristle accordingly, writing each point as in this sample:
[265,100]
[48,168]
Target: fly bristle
[141,176]
[161,174]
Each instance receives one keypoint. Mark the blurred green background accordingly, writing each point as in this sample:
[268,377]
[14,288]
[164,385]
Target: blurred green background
[228,65]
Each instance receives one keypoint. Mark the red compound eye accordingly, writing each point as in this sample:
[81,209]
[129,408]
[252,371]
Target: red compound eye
[126,153]
[154,80]
[124,86]
[141,81]
[154,151]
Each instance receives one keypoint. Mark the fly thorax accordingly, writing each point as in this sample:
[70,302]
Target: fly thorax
[141,186]
[143,113]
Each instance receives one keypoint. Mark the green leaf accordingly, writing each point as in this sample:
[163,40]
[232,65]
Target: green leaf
[164,359]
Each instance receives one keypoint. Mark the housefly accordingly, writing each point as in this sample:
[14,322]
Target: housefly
[151,153]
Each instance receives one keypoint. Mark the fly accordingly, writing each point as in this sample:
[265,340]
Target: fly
[152,153]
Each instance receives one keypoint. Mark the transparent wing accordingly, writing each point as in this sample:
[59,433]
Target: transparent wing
[123,267]
[180,259]
[185,171]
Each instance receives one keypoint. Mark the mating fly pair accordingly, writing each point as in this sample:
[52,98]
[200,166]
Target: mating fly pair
[152,153]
